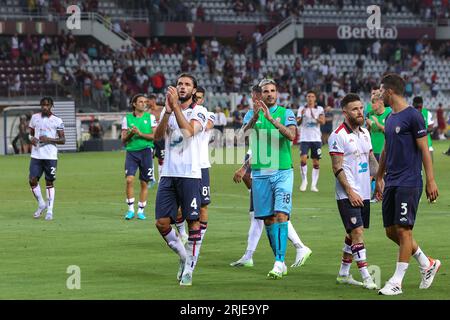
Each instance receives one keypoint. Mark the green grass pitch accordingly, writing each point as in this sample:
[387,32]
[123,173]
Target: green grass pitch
[122,259]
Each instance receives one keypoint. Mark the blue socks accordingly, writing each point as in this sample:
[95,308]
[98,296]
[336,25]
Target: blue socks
[278,236]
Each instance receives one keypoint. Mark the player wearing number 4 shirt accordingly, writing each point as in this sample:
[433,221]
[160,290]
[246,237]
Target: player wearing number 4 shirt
[46,131]
[182,125]
[353,163]
[137,135]
[399,182]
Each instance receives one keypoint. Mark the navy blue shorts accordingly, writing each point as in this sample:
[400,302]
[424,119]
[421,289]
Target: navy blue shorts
[354,217]
[38,166]
[400,205]
[141,159]
[205,188]
[316,151]
[159,149]
[176,192]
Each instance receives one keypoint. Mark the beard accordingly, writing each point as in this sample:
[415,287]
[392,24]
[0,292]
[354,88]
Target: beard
[356,122]
[186,98]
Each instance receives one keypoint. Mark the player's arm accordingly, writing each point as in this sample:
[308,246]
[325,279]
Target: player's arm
[289,131]
[300,116]
[60,140]
[431,186]
[32,138]
[373,164]
[146,136]
[379,185]
[164,116]
[240,173]
[336,162]
[321,119]
[250,123]
[378,124]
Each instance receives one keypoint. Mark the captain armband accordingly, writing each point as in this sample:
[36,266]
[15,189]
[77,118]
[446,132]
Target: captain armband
[338,172]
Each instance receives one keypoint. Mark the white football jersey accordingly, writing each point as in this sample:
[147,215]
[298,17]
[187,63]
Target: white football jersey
[310,128]
[45,126]
[355,147]
[204,146]
[182,155]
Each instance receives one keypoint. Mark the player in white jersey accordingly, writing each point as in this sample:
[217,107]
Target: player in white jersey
[182,125]
[310,118]
[205,165]
[46,131]
[353,164]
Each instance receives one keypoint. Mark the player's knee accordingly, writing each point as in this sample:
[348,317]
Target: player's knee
[130,179]
[316,166]
[403,232]
[162,226]
[33,182]
[357,235]
[303,162]
[49,183]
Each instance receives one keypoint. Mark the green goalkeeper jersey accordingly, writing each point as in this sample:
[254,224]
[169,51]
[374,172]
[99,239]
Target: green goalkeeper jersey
[376,134]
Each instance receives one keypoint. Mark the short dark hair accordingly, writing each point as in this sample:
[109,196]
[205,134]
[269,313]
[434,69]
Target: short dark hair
[188,75]
[46,99]
[201,89]
[375,87]
[417,102]
[350,97]
[394,82]
[256,88]
[151,96]
[313,92]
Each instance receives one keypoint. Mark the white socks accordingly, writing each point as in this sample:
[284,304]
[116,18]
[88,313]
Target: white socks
[345,267]
[181,229]
[38,196]
[315,177]
[400,271]
[304,173]
[192,250]
[175,244]
[421,258]
[130,203]
[254,233]
[293,236]
[141,206]
[50,199]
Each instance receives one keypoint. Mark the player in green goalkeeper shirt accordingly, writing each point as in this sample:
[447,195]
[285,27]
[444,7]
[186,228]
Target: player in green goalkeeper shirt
[375,124]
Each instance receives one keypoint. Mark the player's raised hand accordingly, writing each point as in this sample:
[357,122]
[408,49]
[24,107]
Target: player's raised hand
[135,130]
[266,111]
[432,190]
[167,104]
[173,97]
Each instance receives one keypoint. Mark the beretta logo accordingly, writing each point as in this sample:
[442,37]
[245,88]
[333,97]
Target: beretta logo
[347,32]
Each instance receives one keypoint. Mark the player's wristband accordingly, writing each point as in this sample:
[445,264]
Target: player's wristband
[169,113]
[337,172]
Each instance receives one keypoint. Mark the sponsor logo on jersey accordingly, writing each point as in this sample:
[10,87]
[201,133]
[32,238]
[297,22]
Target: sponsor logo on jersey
[202,117]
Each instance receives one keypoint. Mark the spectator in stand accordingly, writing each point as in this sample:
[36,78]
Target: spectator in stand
[200,13]
[95,130]
[158,82]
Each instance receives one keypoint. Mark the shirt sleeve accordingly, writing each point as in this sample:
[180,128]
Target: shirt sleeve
[418,125]
[199,114]
[290,119]
[60,125]
[124,123]
[248,116]
[321,111]
[430,119]
[299,112]
[31,124]
[153,121]
[336,145]
[212,117]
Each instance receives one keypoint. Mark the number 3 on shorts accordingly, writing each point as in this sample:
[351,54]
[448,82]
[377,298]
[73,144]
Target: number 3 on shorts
[194,203]
[404,208]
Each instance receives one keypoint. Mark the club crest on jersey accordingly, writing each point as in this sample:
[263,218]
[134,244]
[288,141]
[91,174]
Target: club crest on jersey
[145,121]
[334,146]
[202,117]
[353,220]
[397,129]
